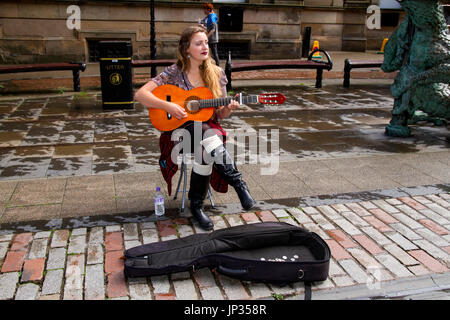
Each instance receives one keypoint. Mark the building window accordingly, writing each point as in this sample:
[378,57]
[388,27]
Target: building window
[389,19]
[231,18]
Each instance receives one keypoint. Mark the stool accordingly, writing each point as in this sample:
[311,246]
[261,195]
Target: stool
[183,176]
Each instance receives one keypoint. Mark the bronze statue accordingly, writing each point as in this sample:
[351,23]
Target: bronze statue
[420,49]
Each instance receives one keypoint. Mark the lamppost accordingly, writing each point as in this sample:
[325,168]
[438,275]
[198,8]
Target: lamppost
[152,37]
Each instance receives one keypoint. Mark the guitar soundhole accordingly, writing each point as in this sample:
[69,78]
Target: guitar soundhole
[192,104]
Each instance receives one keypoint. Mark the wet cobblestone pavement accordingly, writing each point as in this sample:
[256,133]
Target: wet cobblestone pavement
[391,248]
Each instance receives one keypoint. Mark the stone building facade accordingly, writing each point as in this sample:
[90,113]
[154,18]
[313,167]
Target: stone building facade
[37,31]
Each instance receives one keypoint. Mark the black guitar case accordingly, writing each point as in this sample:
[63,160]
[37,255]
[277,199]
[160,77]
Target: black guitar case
[273,252]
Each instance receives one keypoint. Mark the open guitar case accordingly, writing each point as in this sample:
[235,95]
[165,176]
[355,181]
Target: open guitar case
[272,252]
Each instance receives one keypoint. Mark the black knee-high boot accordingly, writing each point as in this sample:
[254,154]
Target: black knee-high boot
[226,167]
[197,193]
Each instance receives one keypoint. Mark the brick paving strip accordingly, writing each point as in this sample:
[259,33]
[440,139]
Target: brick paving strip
[372,242]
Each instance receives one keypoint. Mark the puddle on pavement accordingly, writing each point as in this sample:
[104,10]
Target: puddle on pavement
[15,126]
[56,109]
[37,131]
[108,125]
[364,118]
[149,162]
[70,166]
[31,167]
[112,153]
[144,147]
[29,103]
[112,167]
[11,139]
[78,125]
[33,151]
[24,115]
[290,121]
[330,96]
[76,137]
[107,137]
[143,132]
[133,121]
[8,103]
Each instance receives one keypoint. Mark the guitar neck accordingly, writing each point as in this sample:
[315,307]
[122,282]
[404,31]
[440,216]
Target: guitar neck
[214,103]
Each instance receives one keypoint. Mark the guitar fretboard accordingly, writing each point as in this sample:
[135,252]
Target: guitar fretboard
[208,103]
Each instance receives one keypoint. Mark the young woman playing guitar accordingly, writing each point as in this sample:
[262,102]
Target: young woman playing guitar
[195,68]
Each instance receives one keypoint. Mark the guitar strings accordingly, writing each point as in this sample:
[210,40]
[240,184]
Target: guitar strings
[207,103]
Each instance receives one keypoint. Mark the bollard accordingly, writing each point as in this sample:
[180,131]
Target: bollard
[316,47]
[306,40]
[383,45]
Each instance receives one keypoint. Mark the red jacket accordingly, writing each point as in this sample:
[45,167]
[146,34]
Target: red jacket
[169,168]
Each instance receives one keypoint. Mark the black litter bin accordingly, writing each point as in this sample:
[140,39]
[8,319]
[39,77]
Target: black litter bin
[116,74]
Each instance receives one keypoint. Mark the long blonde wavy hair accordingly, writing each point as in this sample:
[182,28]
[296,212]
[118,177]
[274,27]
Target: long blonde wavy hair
[208,70]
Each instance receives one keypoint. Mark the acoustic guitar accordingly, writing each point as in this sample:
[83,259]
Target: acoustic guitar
[199,104]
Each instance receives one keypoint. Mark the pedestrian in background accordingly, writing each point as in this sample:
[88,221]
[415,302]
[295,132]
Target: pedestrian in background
[212,30]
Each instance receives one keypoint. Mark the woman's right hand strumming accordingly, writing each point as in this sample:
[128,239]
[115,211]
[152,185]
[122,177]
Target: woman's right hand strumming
[176,111]
[144,95]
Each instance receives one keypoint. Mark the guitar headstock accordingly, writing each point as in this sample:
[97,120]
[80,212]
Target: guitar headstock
[271,98]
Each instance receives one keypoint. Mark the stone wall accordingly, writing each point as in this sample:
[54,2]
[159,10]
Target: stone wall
[375,37]
[32,31]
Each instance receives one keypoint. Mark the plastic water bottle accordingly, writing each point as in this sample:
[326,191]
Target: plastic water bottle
[159,202]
